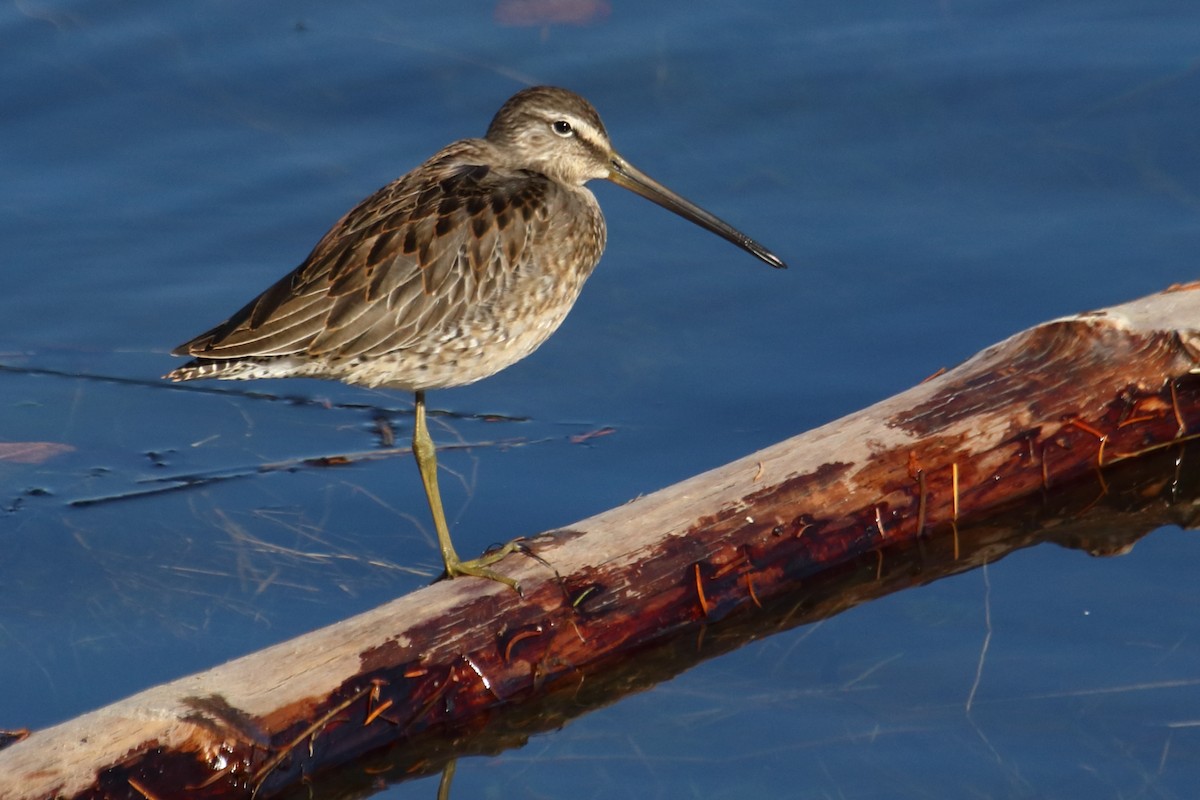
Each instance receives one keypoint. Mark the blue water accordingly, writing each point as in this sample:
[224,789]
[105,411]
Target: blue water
[939,175]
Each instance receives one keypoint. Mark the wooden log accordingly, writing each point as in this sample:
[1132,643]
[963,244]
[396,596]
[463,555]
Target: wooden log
[911,488]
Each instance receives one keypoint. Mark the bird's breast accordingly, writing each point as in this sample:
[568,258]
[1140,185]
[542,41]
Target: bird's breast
[518,303]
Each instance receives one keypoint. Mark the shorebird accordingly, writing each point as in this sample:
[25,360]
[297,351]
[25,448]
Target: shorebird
[447,275]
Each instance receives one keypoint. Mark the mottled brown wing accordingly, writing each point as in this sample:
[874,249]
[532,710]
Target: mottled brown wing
[404,266]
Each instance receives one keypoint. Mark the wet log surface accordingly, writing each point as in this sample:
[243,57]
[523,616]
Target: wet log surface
[1075,431]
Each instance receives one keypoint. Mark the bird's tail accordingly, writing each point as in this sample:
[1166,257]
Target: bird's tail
[226,370]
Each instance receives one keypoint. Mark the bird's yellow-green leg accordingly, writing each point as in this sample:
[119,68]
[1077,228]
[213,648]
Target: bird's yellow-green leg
[426,456]
[447,778]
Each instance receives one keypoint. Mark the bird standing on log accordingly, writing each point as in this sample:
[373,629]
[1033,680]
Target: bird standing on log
[448,274]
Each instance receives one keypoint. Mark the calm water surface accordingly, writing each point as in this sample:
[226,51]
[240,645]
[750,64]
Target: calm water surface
[940,176]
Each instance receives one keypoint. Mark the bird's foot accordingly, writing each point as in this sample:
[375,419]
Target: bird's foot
[478,567]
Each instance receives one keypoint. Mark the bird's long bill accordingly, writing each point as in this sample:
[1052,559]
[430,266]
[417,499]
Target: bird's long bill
[630,177]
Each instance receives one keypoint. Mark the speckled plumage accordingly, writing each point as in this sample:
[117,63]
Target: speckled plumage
[448,274]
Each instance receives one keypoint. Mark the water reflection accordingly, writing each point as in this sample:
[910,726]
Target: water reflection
[1101,516]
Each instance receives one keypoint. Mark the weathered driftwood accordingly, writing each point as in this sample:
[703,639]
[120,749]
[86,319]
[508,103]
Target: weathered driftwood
[911,488]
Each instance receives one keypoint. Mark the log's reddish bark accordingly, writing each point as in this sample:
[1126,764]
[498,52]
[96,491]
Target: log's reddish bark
[1082,423]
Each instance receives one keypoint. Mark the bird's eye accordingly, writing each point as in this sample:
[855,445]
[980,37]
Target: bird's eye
[562,128]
